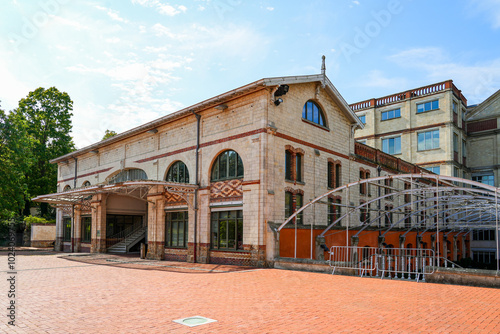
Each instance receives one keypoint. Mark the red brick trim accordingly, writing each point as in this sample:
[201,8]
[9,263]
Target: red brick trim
[247,183]
[210,143]
[85,175]
[302,142]
[489,124]
[431,163]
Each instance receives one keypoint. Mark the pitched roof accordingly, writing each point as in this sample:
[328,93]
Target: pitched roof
[219,99]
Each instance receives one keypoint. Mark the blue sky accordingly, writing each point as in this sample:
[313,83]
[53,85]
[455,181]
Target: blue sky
[131,61]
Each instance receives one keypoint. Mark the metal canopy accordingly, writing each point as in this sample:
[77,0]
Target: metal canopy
[136,189]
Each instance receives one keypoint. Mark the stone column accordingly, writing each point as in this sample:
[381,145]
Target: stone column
[354,243]
[58,245]
[99,223]
[464,248]
[156,224]
[445,248]
[77,229]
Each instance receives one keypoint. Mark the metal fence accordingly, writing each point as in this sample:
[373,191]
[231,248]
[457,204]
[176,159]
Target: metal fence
[403,263]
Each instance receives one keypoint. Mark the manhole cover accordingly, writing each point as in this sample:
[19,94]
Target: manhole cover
[194,321]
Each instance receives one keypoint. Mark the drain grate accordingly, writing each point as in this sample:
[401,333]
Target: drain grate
[194,321]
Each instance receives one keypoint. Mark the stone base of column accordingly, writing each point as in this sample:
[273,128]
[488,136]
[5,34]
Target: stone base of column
[156,250]
[98,246]
[58,245]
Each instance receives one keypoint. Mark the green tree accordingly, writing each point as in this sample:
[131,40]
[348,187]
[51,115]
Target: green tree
[108,134]
[47,113]
[15,159]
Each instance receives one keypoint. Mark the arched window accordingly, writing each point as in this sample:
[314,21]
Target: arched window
[178,172]
[86,184]
[312,112]
[67,188]
[129,175]
[227,166]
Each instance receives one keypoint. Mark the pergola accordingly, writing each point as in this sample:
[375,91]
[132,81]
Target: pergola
[422,202]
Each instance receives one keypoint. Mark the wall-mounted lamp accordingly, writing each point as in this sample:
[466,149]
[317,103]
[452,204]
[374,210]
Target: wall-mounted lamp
[153,131]
[278,101]
[221,107]
[282,90]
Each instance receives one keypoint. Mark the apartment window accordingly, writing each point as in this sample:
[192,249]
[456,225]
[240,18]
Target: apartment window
[427,106]
[362,119]
[86,229]
[486,178]
[390,114]
[407,217]
[227,230]
[428,140]
[294,201]
[408,194]
[176,229]
[86,184]
[455,107]
[129,175]
[312,112]
[387,190]
[388,216]
[364,213]
[391,145]
[455,142]
[178,172]
[334,210]
[456,172]
[293,165]
[464,149]
[364,188]
[67,229]
[227,166]
[484,257]
[434,169]
[483,235]
[334,174]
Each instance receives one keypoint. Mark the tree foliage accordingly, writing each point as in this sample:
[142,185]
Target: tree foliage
[15,160]
[108,134]
[47,115]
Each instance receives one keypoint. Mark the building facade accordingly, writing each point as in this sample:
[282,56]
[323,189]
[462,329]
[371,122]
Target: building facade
[425,126]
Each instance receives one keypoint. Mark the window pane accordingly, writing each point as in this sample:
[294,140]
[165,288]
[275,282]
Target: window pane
[397,113]
[315,114]
[181,234]
[240,167]
[421,141]
[223,234]
[288,165]
[298,161]
[397,145]
[435,139]
[385,145]
[420,108]
[232,164]
[390,114]
[231,233]
[309,111]
[435,104]
[428,141]
[175,231]
[215,170]
[239,240]
[384,116]
[223,166]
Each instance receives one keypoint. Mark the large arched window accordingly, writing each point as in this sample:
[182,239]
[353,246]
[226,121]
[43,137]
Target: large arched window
[178,172]
[312,112]
[86,184]
[227,165]
[129,175]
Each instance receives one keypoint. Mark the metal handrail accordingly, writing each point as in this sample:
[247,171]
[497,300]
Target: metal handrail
[122,235]
[446,261]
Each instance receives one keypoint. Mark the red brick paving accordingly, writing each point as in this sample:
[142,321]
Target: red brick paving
[93,295]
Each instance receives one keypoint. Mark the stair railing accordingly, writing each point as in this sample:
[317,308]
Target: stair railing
[122,235]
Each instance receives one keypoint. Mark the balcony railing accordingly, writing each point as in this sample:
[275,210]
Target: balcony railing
[394,98]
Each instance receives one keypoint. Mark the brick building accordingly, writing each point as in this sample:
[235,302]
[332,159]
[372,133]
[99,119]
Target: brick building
[210,182]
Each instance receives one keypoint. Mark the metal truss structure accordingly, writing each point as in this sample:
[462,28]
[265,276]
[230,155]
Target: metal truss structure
[135,189]
[420,202]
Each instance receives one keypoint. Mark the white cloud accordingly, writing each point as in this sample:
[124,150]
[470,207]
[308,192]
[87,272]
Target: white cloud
[270,8]
[160,30]
[356,2]
[68,22]
[377,79]
[477,81]
[491,8]
[162,8]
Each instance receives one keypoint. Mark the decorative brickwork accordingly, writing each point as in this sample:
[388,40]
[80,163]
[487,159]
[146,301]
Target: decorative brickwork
[173,199]
[176,254]
[224,191]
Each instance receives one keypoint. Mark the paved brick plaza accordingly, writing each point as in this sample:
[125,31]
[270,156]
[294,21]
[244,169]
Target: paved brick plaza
[110,294]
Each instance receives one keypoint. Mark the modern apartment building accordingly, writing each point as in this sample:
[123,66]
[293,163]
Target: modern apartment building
[424,126]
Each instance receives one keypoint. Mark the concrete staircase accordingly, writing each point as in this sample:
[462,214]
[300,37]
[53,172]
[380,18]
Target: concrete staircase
[129,241]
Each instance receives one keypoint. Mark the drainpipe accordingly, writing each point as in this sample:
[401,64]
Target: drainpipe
[197,181]
[73,209]
[379,169]
[76,172]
